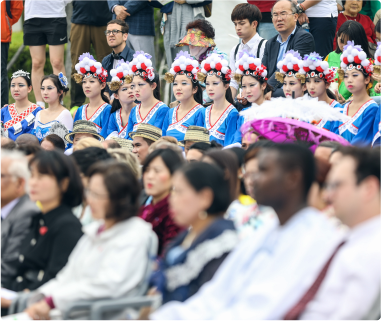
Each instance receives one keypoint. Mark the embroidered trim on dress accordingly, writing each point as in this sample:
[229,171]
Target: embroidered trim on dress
[213,130]
[122,131]
[196,260]
[149,115]
[16,117]
[178,124]
[348,125]
[95,115]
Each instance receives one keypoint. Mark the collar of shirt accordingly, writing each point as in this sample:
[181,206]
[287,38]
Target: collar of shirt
[251,43]
[8,208]
[279,38]
[368,227]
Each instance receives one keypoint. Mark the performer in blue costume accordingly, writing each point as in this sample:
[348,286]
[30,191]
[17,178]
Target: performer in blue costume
[187,90]
[356,70]
[53,88]
[377,130]
[253,78]
[318,79]
[221,117]
[92,76]
[146,86]
[123,103]
[19,118]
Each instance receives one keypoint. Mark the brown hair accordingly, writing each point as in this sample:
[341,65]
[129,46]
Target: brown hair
[247,11]
[121,23]
[204,25]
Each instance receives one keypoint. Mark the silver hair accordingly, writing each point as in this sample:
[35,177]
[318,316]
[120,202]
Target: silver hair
[19,165]
[293,5]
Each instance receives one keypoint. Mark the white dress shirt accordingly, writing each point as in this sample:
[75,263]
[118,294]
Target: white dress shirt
[252,47]
[323,9]
[266,274]
[5,210]
[352,283]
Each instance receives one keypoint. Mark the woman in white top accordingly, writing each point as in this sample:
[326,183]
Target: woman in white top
[53,89]
[110,260]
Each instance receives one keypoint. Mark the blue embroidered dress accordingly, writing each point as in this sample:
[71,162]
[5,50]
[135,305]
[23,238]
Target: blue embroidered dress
[176,128]
[16,123]
[327,124]
[224,129]
[359,129]
[115,125]
[241,120]
[154,117]
[377,130]
[41,130]
[100,118]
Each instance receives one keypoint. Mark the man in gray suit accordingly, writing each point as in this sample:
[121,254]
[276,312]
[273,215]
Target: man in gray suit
[16,209]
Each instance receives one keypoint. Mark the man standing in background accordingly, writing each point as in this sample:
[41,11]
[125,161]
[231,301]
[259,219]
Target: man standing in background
[10,13]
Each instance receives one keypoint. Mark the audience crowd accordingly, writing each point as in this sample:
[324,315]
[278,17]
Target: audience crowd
[255,194]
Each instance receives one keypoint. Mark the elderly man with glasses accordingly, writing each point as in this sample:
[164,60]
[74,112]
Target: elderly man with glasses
[284,16]
[116,34]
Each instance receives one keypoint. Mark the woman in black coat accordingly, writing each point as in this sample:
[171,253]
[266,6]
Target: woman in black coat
[55,183]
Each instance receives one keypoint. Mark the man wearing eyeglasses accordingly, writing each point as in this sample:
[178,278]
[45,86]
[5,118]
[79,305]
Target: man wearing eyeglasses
[116,34]
[284,16]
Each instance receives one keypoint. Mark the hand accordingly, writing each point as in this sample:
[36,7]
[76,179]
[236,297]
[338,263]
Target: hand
[5,303]
[340,99]
[180,1]
[377,88]
[241,100]
[121,12]
[146,311]
[39,311]
[376,77]
[303,19]
[268,95]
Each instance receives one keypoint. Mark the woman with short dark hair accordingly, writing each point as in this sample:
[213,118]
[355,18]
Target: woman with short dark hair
[55,183]
[158,169]
[199,200]
[53,141]
[111,259]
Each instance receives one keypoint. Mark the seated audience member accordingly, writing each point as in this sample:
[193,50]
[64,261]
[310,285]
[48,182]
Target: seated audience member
[29,150]
[195,134]
[143,138]
[119,268]
[27,139]
[53,141]
[86,143]
[158,169]
[199,200]
[197,151]
[290,37]
[352,283]
[351,12]
[110,143]
[85,158]
[324,150]
[270,271]
[127,157]
[17,210]
[336,155]
[54,232]
[163,143]
[248,139]
[7,143]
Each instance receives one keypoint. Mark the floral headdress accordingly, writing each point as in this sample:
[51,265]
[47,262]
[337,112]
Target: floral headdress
[141,66]
[248,64]
[354,57]
[119,75]
[89,67]
[215,64]
[184,64]
[290,66]
[313,66]
[20,73]
[63,80]
[377,59]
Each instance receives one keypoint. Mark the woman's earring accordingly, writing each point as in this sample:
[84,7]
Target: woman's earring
[202,215]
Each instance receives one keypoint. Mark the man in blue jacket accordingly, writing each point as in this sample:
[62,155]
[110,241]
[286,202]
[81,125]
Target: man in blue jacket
[284,15]
[88,24]
[139,16]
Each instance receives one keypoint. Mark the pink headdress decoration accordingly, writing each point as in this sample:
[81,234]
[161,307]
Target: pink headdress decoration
[313,66]
[141,66]
[183,64]
[89,67]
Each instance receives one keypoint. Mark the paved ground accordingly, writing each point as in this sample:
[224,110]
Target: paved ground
[226,37]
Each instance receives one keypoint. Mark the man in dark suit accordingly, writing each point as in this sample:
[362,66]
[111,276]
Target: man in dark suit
[16,209]
[289,37]
[116,33]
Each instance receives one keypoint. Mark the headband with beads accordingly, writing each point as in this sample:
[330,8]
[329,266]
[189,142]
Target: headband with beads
[120,75]
[89,67]
[20,73]
[141,66]
[354,57]
[183,64]
[247,64]
[215,64]
[312,66]
[290,66]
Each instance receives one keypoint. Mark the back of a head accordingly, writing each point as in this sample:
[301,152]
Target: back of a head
[127,157]
[322,169]
[203,175]
[87,142]
[110,143]
[7,143]
[29,149]
[354,31]
[27,139]
[165,144]
[171,159]
[201,147]
[85,158]
[56,141]
[330,144]
[296,157]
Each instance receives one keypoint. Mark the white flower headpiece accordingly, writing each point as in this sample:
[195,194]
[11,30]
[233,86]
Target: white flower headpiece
[141,66]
